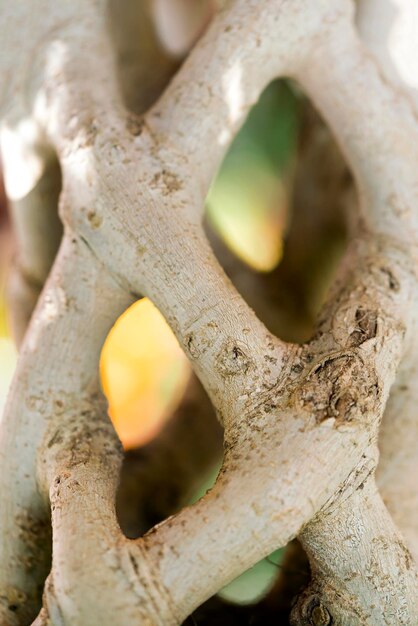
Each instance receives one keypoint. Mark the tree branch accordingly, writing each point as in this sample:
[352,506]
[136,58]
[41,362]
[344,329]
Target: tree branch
[302,422]
[393,47]
[350,547]
[55,379]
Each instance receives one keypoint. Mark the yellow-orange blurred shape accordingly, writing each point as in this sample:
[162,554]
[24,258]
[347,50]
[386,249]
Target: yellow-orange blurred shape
[144,373]
[248,208]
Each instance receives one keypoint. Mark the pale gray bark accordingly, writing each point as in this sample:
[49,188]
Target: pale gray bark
[301,422]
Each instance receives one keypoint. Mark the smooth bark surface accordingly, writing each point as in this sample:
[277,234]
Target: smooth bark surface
[301,422]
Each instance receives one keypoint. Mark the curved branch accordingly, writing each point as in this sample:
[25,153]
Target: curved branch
[399,455]
[301,422]
[81,464]
[393,45]
[351,546]
[380,152]
[46,388]
[328,442]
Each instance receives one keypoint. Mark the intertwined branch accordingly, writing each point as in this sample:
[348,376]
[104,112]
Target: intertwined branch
[300,423]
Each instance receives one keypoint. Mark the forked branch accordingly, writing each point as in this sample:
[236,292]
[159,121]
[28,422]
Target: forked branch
[301,422]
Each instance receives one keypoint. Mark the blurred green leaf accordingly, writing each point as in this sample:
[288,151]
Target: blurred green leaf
[247,203]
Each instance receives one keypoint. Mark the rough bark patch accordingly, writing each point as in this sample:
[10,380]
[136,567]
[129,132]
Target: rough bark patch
[340,387]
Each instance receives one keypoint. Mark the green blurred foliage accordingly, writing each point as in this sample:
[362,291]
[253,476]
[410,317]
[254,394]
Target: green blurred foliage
[248,201]
[253,584]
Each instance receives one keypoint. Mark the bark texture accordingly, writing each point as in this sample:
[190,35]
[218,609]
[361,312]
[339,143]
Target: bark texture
[301,422]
